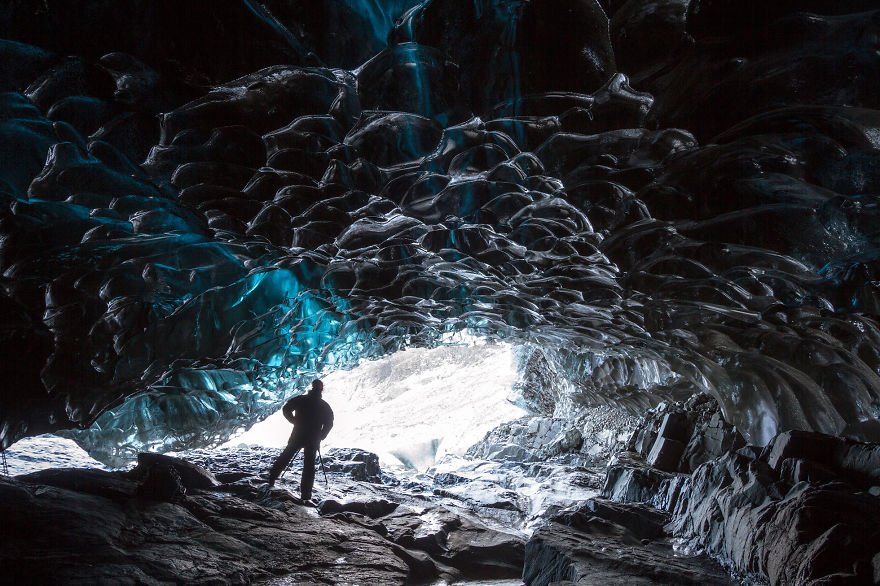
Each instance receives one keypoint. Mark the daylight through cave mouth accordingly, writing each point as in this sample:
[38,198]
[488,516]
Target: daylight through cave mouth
[410,408]
[415,406]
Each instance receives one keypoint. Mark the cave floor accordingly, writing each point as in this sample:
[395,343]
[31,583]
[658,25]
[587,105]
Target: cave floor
[100,527]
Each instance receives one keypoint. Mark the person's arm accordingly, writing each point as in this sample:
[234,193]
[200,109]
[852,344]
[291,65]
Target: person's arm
[328,423]
[288,410]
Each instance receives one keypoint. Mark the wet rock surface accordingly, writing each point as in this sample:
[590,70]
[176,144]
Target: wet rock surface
[462,520]
[801,510]
[775,515]
[588,439]
[78,526]
[600,542]
[84,535]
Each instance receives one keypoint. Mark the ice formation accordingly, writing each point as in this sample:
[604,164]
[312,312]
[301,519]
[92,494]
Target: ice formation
[195,222]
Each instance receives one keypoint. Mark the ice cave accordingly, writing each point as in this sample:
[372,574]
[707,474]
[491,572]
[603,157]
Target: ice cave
[593,287]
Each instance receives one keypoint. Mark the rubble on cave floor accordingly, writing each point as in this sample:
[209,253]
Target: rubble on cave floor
[464,519]
[150,524]
[681,500]
[168,520]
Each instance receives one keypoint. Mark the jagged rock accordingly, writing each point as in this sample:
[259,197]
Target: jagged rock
[670,491]
[675,426]
[95,482]
[423,567]
[759,510]
[710,440]
[482,494]
[665,454]
[794,470]
[643,522]
[162,483]
[95,530]
[631,480]
[372,509]
[697,425]
[529,439]
[359,464]
[863,460]
[742,505]
[809,446]
[511,493]
[603,543]
[435,542]
[453,540]
[190,475]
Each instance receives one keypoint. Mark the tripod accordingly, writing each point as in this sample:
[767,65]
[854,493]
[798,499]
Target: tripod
[289,464]
[323,468]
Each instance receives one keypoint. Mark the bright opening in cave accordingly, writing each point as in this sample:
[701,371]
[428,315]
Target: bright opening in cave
[414,406]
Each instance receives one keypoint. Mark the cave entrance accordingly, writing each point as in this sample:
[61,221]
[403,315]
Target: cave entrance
[414,406]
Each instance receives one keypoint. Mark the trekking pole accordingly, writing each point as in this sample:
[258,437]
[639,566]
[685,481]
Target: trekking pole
[289,464]
[326,482]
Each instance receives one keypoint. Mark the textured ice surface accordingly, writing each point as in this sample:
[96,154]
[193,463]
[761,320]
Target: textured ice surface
[185,241]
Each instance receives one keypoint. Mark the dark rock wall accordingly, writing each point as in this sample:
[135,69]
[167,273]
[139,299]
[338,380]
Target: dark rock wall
[802,510]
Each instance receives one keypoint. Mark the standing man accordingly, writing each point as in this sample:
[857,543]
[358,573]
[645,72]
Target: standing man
[312,419]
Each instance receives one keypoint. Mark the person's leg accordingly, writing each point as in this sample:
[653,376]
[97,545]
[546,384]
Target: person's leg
[308,475]
[282,461]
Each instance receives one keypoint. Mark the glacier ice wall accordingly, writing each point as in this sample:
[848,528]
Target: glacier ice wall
[200,209]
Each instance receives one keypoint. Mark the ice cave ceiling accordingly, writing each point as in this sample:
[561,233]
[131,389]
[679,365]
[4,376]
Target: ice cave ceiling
[204,204]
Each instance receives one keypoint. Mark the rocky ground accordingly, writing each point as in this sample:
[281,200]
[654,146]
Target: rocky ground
[802,510]
[209,518]
[674,498]
[169,521]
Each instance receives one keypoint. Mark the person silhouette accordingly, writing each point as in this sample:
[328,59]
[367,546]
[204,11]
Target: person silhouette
[312,420]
